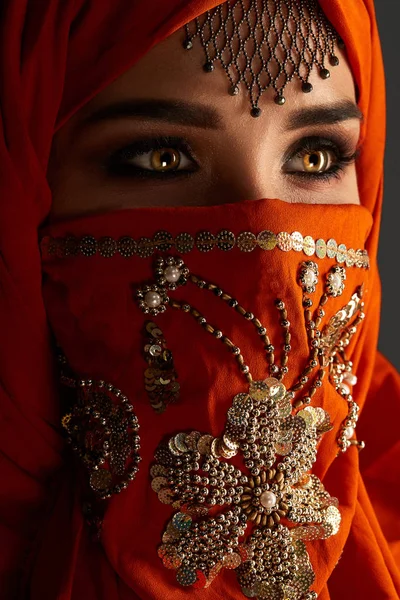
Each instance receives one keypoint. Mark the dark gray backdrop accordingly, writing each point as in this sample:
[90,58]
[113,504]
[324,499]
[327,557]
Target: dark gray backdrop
[388,13]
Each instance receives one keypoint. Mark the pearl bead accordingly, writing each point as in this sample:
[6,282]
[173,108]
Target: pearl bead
[345,388]
[335,281]
[348,432]
[268,499]
[310,278]
[152,299]
[172,274]
[350,378]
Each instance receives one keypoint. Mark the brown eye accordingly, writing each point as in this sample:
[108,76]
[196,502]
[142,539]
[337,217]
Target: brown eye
[156,160]
[317,161]
[312,162]
[165,159]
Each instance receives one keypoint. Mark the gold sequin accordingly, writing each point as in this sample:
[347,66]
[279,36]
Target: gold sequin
[331,248]
[158,470]
[320,248]
[205,241]
[163,241]
[107,247]
[173,448]
[365,259]
[267,240]
[159,483]
[204,444]
[225,240]
[184,243]
[309,245]
[350,258]
[144,247]
[230,443]
[166,496]
[88,245]
[231,561]
[100,480]
[297,241]
[216,447]
[359,259]
[191,440]
[71,246]
[285,241]
[246,241]
[180,442]
[127,246]
[66,420]
[341,253]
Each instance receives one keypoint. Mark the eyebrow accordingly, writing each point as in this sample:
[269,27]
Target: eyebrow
[173,111]
[205,117]
[329,114]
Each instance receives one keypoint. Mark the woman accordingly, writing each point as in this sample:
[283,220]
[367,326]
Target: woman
[150,187]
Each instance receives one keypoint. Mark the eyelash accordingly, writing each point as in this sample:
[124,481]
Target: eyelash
[339,147]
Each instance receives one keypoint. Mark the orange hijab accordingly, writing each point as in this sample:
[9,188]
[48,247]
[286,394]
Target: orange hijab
[45,547]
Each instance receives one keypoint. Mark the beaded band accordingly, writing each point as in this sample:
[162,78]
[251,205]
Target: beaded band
[203,241]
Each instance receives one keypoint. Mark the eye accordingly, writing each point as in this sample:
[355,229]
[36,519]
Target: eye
[161,160]
[315,161]
[152,158]
[319,158]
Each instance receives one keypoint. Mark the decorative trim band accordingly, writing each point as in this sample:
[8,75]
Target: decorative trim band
[204,241]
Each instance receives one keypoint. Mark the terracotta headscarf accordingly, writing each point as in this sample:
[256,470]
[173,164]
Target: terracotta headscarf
[55,57]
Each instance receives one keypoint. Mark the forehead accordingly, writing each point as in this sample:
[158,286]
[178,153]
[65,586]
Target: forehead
[169,72]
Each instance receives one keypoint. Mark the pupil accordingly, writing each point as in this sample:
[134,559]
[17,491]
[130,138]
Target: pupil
[314,160]
[166,159]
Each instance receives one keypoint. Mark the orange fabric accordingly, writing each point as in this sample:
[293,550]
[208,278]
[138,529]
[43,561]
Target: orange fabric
[55,55]
[90,308]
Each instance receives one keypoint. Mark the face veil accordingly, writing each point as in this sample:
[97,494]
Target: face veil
[244,287]
[91,305]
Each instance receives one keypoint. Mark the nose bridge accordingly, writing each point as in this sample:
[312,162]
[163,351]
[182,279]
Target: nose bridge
[250,177]
[246,168]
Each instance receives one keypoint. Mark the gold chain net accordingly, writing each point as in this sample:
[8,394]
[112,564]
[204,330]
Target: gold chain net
[266,44]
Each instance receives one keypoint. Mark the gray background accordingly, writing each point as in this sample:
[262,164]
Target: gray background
[388,14]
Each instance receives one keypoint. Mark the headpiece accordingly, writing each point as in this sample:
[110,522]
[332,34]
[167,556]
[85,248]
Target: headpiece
[264,44]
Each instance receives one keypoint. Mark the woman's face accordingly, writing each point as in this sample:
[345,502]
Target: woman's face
[167,134]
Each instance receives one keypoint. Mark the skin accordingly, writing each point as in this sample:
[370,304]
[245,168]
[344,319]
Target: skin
[237,157]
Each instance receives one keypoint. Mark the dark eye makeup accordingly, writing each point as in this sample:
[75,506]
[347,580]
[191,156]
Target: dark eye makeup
[340,148]
[120,162]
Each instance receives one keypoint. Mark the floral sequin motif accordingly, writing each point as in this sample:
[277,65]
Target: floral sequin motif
[254,520]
